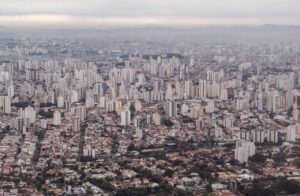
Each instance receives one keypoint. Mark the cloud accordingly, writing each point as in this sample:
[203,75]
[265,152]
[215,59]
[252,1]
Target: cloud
[42,20]
[132,12]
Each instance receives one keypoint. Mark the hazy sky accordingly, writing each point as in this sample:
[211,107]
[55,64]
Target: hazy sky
[97,13]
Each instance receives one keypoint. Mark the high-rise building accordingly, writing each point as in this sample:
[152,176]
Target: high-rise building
[218,132]
[291,79]
[196,111]
[148,119]
[137,121]
[210,107]
[76,123]
[228,121]
[258,136]
[272,136]
[99,89]
[156,119]
[295,112]
[215,91]
[240,104]
[244,150]
[289,99]
[89,102]
[103,101]
[138,106]
[89,152]
[291,133]
[202,89]
[125,117]
[188,89]
[184,109]
[171,108]
[245,135]
[10,90]
[224,95]
[209,75]
[5,104]
[60,101]
[43,123]
[28,113]
[259,101]
[80,111]
[273,102]
[192,61]
[57,118]
[139,133]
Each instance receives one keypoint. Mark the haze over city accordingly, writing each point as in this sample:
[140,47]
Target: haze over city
[140,97]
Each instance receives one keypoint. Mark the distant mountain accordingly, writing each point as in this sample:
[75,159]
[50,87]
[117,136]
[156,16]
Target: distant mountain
[217,33]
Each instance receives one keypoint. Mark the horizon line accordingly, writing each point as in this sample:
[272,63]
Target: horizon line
[69,21]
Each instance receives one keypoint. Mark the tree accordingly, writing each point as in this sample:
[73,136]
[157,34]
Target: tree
[20,104]
[257,189]
[82,176]
[106,186]
[258,158]
[132,108]
[288,186]
[187,120]
[208,188]
[168,173]
[167,122]
[48,114]
[131,147]
[279,157]
[63,134]
[297,163]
